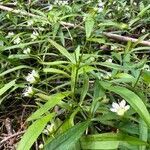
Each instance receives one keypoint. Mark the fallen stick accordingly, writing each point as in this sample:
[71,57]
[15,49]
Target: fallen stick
[16,11]
[126,39]
[11,136]
[5,8]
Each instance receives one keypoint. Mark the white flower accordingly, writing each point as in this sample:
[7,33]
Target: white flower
[41,146]
[143,30]
[106,75]
[120,108]
[50,7]
[48,129]
[146,67]
[10,34]
[109,60]
[34,35]
[41,29]
[61,2]
[17,40]
[32,77]
[27,51]
[45,131]
[100,6]
[30,22]
[28,91]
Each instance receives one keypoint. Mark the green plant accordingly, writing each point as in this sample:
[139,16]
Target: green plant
[73,73]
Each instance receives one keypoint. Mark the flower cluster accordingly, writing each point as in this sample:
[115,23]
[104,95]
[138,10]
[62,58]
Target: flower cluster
[32,78]
[28,91]
[61,2]
[17,40]
[100,6]
[120,108]
[27,51]
[48,129]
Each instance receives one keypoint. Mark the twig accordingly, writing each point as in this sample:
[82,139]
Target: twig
[126,39]
[31,15]
[11,136]
[17,11]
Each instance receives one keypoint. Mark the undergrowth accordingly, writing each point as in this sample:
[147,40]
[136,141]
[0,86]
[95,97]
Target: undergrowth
[69,86]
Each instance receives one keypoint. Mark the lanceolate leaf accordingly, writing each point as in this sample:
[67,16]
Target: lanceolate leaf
[56,71]
[134,100]
[14,69]
[108,141]
[51,102]
[89,24]
[33,132]
[66,140]
[7,87]
[62,50]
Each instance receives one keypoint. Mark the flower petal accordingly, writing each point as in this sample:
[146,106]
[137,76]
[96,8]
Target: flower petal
[127,107]
[115,105]
[122,103]
[113,109]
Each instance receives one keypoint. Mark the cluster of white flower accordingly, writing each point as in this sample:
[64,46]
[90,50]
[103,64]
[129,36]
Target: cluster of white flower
[109,60]
[100,6]
[30,22]
[50,7]
[10,34]
[61,2]
[34,35]
[27,51]
[48,129]
[146,67]
[32,78]
[17,40]
[120,108]
[106,75]
[28,91]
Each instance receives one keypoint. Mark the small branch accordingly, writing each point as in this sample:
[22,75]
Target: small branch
[31,15]
[17,11]
[11,136]
[125,39]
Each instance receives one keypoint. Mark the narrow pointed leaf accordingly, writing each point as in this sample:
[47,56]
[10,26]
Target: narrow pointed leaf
[66,140]
[51,102]
[33,132]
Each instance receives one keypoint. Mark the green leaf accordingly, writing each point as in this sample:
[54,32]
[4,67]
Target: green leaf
[53,63]
[22,45]
[7,87]
[66,140]
[89,24]
[99,92]
[56,71]
[108,141]
[97,40]
[84,88]
[112,65]
[14,69]
[143,133]
[134,100]
[33,132]
[62,50]
[52,101]
[146,76]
